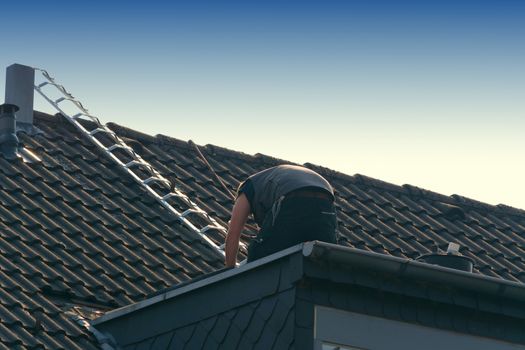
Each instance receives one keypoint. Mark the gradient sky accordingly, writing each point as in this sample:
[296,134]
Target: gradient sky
[430,93]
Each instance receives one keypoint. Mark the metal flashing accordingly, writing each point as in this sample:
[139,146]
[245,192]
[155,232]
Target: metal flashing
[105,342]
[27,128]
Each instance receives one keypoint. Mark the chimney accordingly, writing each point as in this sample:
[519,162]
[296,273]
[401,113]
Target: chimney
[19,91]
[8,138]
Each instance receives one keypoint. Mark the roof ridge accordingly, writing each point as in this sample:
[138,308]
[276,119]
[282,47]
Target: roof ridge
[423,192]
[58,118]
[499,208]
[41,116]
[131,133]
[511,210]
[412,190]
[223,151]
[456,199]
[330,172]
[372,181]
[271,160]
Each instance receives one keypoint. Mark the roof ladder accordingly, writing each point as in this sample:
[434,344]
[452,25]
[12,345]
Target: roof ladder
[136,163]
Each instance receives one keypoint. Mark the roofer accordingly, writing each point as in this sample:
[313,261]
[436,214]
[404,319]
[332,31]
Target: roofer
[291,204]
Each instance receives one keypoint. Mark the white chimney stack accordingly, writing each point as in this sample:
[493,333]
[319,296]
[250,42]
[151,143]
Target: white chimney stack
[19,90]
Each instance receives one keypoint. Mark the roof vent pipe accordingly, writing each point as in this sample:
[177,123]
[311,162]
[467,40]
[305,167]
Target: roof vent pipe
[20,91]
[8,138]
[451,259]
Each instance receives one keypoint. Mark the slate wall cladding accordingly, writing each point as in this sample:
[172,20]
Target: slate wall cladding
[264,324]
[247,311]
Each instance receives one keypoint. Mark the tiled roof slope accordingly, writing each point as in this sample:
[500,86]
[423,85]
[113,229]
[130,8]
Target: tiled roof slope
[76,230]
[403,221]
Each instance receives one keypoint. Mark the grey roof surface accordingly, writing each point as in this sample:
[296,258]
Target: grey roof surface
[75,231]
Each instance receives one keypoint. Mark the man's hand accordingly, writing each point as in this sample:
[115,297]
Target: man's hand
[240,212]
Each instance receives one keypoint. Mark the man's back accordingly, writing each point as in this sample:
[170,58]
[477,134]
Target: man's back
[290,203]
[271,184]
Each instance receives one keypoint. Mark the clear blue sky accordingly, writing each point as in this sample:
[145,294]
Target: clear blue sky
[430,93]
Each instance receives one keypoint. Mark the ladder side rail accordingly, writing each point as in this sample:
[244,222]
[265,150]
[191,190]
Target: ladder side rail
[115,137]
[164,203]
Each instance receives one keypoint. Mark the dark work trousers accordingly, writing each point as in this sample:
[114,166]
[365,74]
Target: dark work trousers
[298,220]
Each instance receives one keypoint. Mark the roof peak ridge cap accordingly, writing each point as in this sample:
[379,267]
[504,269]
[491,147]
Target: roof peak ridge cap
[207,148]
[46,117]
[473,202]
[454,199]
[423,192]
[510,210]
[272,160]
[130,133]
[498,208]
[166,140]
[58,119]
[331,172]
[227,152]
[378,183]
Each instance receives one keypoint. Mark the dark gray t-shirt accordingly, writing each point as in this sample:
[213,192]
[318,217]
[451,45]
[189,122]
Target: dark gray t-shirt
[265,187]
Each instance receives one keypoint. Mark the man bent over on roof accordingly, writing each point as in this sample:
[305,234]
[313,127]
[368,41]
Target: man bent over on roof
[291,204]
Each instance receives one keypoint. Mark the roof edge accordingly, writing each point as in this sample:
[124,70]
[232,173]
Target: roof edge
[201,283]
[316,250]
[415,269]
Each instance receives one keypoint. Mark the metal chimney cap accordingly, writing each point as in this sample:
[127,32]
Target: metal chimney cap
[9,108]
[8,138]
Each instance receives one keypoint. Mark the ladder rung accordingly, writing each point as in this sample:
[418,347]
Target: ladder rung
[78,115]
[118,146]
[193,211]
[133,163]
[155,179]
[211,227]
[168,196]
[62,99]
[97,130]
[172,194]
[58,86]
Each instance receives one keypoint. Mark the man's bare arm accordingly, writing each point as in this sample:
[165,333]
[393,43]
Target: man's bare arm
[240,213]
